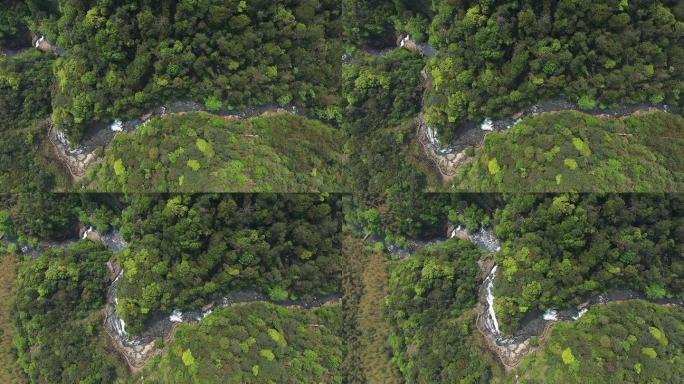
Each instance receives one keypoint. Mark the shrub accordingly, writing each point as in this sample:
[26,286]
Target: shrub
[212,103]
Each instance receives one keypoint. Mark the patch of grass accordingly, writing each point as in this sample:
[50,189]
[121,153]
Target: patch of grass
[10,373]
[365,287]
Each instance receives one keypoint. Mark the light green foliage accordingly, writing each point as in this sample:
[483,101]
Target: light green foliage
[212,103]
[278,293]
[493,167]
[570,163]
[277,337]
[188,359]
[658,335]
[205,147]
[649,352]
[568,357]
[194,165]
[581,146]
[586,102]
[119,168]
[267,354]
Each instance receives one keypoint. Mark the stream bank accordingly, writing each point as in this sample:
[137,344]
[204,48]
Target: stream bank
[78,158]
[471,134]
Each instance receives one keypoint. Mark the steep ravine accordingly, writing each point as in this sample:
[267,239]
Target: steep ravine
[136,350]
[510,349]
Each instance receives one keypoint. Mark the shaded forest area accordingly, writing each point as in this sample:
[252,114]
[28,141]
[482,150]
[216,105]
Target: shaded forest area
[429,310]
[383,97]
[124,58]
[59,296]
[25,83]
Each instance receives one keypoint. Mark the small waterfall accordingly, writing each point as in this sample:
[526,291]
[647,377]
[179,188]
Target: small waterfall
[87,232]
[490,321]
[487,125]
[580,313]
[117,126]
[485,239]
[176,316]
[551,315]
[432,136]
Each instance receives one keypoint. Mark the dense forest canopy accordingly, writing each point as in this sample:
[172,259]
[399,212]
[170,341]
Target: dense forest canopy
[560,250]
[19,18]
[198,152]
[25,82]
[571,151]
[254,343]
[25,86]
[59,296]
[383,96]
[124,57]
[186,250]
[498,57]
[429,302]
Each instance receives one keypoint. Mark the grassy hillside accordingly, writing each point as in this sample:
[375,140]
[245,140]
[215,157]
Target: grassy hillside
[634,342]
[198,152]
[572,151]
[254,343]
